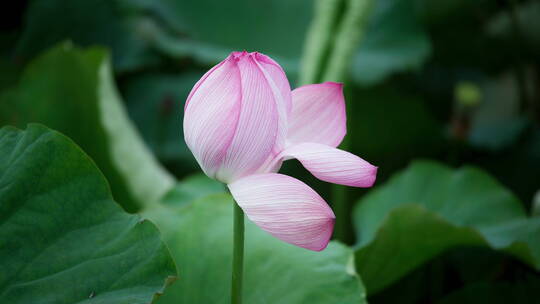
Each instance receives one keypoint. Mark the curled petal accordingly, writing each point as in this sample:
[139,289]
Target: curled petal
[333,165]
[278,77]
[318,114]
[233,118]
[211,115]
[280,84]
[286,208]
[258,123]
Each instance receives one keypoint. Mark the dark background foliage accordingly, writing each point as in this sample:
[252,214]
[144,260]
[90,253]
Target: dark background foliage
[453,81]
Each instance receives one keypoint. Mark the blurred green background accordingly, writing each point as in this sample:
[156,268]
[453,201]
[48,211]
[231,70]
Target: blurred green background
[431,86]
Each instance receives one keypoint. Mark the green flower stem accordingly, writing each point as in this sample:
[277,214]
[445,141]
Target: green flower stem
[350,32]
[335,33]
[319,39]
[342,212]
[519,72]
[348,37]
[238,254]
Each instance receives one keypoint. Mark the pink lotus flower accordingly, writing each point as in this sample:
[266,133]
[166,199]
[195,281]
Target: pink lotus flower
[242,121]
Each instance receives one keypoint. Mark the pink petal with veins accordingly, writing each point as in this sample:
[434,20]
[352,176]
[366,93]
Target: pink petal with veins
[318,114]
[234,116]
[211,115]
[333,165]
[258,126]
[286,208]
[277,75]
[280,84]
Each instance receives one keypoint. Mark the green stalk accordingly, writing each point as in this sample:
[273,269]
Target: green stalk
[238,254]
[319,40]
[519,72]
[335,33]
[351,31]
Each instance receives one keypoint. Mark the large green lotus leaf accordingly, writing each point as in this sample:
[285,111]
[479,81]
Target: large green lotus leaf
[199,235]
[395,41]
[85,22]
[192,188]
[71,90]
[465,275]
[429,208]
[63,238]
